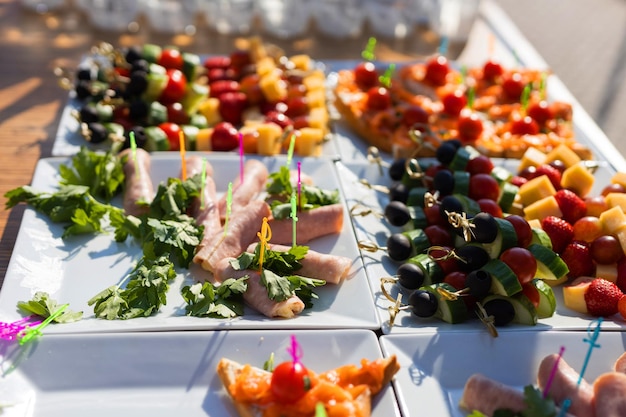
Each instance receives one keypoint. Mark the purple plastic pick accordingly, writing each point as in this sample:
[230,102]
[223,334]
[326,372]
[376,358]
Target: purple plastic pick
[295,350]
[10,331]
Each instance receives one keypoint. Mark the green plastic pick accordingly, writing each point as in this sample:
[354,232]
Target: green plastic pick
[368,53]
[202,183]
[229,204]
[471,96]
[543,85]
[292,145]
[525,97]
[320,411]
[31,333]
[133,150]
[385,79]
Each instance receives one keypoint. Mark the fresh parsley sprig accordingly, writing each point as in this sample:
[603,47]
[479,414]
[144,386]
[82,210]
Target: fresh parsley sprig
[222,301]
[43,306]
[536,406]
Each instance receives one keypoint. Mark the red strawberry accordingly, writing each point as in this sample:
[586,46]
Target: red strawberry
[572,206]
[577,256]
[602,297]
[621,274]
[560,231]
[553,174]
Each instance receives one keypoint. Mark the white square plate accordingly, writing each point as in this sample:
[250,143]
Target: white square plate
[379,265]
[435,366]
[162,373]
[74,270]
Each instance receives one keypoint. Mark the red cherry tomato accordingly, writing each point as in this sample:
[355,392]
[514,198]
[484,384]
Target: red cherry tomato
[177,114]
[541,112]
[225,137]
[172,131]
[454,102]
[171,59]
[290,382]
[365,75]
[522,262]
[524,126]
[470,126]
[415,116]
[492,70]
[378,98]
[522,229]
[437,69]
[481,164]
[513,86]
[532,293]
[175,88]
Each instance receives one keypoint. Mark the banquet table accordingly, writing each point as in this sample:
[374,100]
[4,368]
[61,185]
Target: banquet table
[31,107]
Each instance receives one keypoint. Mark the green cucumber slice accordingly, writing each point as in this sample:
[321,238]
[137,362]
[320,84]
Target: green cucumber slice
[157,82]
[156,139]
[550,265]
[547,300]
[470,206]
[418,217]
[419,240]
[505,239]
[541,237]
[191,135]
[195,94]
[191,66]
[503,279]
[507,196]
[450,311]
[461,182]
[151,52]
[416,196]
[157,113]
[462,157]
[432,271]
[501,175]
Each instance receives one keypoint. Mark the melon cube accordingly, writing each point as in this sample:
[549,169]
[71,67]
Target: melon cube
[621,236]
[564,154]
[578,179]
[309,142]
[619,178]
[533,157]
[535,190]
[574,294]
[543,208]
[612,220]
[210,109]
[607,271]
[301,62]
[269,138]
[616,199]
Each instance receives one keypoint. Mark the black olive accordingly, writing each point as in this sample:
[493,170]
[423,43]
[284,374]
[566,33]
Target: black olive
[399,247]
[397,213]
[443,181]
[397,170]
[83,89]
[472,257]
[410,276]
[502,311]
[423,303]
[140,137]
[450,204]
[98,133]
[133,54]
[445,153]
[478,282]
[399,192]
[485,228]
[88,114]
[138,83]
[138,110]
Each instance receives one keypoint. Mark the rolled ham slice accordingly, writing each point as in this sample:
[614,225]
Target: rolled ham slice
[620,364]
[242,231]
[311,224]
[138,187]
[330,268]
[204,209]
[256,294]
[565,385]
[610,395]
[487,395]
[255,177]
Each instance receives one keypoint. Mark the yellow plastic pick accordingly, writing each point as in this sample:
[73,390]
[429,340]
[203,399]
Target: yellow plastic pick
[264,236]
[229,204]
[181,138]
[30,333]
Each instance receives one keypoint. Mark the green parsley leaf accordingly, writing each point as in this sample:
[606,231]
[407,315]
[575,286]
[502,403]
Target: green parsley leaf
[44,306]
[103,173]
[178,238]
[279,183]
[109,303]
[281,263]
[280,288]
[174,198]
[224,301]
[538,406]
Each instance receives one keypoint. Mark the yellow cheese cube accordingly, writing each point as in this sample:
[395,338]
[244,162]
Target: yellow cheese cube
[578,179]
[301,62]
[620,234]
[269,138]
[616,199]
[612,220]
[273,88]
[265,66]
[543,208]
[210,109]
[535,190]
[314,81]
[564,154]
[619,178]
[318,117]
[309,141]
[203,139]
[316,98]
[534,223]
[533,157]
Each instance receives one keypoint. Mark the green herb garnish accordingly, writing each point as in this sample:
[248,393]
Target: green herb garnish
[222,301]
[43,306]
[536,406]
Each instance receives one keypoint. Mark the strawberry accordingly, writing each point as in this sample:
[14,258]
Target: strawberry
[572,206]
[560,231]
[551,172]
[577,256]
[621,274]
[602,298]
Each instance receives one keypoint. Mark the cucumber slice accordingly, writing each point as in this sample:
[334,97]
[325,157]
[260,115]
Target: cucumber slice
[505,239]
[156,139]
[198,120]
[191,135]
[450,311]
[541,237]
[418,217]
[195,94]
[419,240]
[462,157]
[550,266]
[416,196]
[151,52]
[432,271]
[547,301]
[157,113]
[191,66]
[501,175]
[507,196]
[156,84]
[503,279]
[470,206]
[525,311]
[461,182]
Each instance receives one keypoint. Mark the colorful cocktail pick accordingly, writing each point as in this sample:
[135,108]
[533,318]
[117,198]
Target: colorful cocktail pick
[264,237]
[368,53]
[31,332]
[202,183]
[241,159]
[181,139]
[553,372]
[229,206]
[292,144]
[11,331]
[133,152]
[294,216]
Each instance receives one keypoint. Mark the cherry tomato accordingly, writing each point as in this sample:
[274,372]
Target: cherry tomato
[481,164]
[541,112]
[378,98]
[175,88]
[454,102]
[177,114]
[225,137]
[522,262]
[490,206]
[492,70]
[470,126]
[522,229]
[532,293]
[365,75]
[217,61]
[513,86]
[172,131]
[171,59]
[483,186]
[437,69]
[524,126]
[415,116]
[290,382]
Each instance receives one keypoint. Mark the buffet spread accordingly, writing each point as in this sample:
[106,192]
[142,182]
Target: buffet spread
[344,238]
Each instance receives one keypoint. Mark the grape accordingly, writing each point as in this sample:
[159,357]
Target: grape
[483,186]
[613,188]
[522,229]
[521,262]
[596,205]
[410,276]
[587,229]
[606,250]
[423,303]
[481,164]
[438,235]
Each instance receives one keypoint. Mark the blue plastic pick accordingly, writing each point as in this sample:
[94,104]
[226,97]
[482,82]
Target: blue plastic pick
[443,45]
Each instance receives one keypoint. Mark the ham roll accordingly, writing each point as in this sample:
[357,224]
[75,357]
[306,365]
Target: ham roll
[204,209]
[620,364]
[242,231]
[610,395]
[311,224]
[256,294]
[138,187]
[255,177]
[331,268]
[488,395]
[565,385]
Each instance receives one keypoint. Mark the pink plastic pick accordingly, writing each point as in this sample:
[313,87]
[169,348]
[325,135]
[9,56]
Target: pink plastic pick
[241,164]
[295,350]
[11,331]
[553,372]
[294,216]
[299,185]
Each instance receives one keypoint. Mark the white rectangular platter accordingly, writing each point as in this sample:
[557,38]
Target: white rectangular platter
[435,366]
[76,269]
[161,373]
[378,265]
